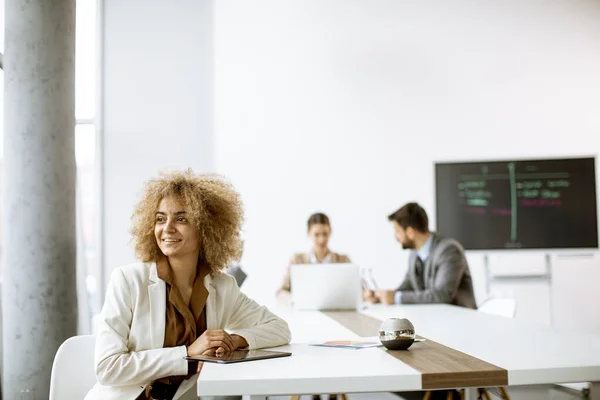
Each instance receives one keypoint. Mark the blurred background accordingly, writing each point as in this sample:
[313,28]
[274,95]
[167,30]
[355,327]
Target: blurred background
[338,106]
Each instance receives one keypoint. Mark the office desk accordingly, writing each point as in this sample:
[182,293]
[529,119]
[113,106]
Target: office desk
[464,349]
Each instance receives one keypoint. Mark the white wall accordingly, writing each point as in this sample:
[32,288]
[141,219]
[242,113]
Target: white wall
[343,106]
[158,91]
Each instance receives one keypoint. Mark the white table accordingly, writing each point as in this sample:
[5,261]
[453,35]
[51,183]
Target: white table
[531,354]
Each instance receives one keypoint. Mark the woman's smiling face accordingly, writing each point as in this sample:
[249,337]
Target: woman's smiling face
[175,234]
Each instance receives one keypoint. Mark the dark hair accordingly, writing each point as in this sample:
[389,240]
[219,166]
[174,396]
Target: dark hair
[318,218]
[413,215]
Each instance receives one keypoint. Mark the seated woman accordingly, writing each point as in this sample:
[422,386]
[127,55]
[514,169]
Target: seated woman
[176,301]
[319,231]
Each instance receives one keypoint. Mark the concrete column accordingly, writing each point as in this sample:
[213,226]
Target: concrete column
[39,243]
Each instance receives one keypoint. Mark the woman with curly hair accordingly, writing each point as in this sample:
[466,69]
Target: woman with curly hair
[176,302]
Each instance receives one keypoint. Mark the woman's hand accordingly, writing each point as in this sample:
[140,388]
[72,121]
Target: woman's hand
[387,297]
[369,295]
[238,341]
[212,341]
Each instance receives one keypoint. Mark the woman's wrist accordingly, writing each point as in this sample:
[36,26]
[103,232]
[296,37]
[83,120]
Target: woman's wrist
[239,342]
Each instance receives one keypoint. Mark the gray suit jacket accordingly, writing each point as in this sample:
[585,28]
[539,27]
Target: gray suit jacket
[446,276]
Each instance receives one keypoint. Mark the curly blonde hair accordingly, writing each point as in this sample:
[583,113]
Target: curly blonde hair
[214,207]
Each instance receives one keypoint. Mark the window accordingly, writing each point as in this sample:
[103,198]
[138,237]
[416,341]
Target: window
[88,268]
[85,155]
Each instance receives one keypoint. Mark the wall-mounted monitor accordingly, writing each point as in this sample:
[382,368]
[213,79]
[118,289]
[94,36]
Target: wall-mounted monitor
[519,204]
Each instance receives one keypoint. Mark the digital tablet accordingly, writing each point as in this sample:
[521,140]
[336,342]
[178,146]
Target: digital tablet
[239,356]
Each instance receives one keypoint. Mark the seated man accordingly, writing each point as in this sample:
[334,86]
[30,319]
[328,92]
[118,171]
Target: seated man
[437,268]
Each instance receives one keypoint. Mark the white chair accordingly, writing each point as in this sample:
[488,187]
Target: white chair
[73,371]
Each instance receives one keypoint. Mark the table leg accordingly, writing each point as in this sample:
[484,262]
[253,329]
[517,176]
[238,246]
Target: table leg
[470,394]
[594,391]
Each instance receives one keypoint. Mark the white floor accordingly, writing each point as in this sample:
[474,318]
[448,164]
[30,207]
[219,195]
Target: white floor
[352,396]
[516,393]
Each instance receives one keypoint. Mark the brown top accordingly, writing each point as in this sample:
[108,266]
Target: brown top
[305,258]
[184,322]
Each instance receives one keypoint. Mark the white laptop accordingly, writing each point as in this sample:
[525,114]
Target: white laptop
[325,286]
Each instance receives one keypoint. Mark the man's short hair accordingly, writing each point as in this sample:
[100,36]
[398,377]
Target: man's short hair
[413,215]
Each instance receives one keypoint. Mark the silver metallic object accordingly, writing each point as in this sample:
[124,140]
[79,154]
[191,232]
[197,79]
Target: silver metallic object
[397,333]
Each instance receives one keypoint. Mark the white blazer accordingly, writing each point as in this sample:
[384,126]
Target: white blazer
[129,347]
